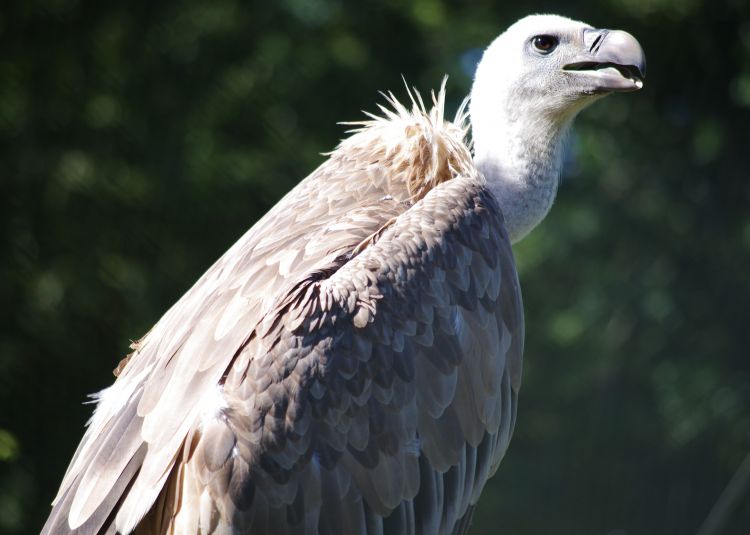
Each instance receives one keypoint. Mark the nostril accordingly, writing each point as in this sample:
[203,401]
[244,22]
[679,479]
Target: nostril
[596,41]
[594,38]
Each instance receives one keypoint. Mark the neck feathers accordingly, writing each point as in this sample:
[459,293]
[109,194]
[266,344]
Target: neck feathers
[412,150]
[520,153]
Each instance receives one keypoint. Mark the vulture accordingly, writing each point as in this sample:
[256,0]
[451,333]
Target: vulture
[352,364]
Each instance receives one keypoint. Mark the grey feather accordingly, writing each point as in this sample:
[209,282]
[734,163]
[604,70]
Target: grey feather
[332,378]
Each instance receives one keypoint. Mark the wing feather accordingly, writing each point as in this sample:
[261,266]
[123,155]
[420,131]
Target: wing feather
[405,453]
[359,372]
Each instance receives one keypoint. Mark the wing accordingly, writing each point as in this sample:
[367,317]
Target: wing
[141,422]
[377,396]
[352,361]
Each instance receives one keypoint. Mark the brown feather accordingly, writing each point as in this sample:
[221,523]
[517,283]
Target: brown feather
[351,363]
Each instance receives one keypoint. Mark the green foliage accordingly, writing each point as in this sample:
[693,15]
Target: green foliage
[138,140]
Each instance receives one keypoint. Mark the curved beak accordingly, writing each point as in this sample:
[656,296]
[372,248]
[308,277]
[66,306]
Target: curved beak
[612,61]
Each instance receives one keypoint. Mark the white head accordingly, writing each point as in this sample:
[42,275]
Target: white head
[530,84]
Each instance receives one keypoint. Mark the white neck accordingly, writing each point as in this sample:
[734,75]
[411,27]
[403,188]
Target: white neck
[519,150]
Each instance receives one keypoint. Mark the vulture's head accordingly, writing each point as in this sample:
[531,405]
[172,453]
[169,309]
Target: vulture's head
[529,85]
[557,65]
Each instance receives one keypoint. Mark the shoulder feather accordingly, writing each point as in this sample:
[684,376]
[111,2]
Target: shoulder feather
[416,147]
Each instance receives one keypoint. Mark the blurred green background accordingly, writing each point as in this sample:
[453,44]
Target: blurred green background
[139,139]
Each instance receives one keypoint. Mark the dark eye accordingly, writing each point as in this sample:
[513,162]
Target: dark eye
[545,43]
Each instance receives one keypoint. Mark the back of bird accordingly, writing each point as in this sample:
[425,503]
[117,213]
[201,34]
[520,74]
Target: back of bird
[350,365]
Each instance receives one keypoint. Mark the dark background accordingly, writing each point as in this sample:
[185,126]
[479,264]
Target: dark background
[139,139]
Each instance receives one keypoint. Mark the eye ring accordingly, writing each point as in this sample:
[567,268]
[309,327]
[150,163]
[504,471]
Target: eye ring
[545,43]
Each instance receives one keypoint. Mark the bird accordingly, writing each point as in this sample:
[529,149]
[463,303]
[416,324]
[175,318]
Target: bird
[352,364]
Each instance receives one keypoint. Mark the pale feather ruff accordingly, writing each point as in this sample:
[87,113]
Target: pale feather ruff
[418,147]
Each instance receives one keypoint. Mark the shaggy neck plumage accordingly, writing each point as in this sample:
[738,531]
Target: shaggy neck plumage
[519,150]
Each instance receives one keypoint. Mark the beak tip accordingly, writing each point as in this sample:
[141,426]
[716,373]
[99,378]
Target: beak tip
[626,49]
